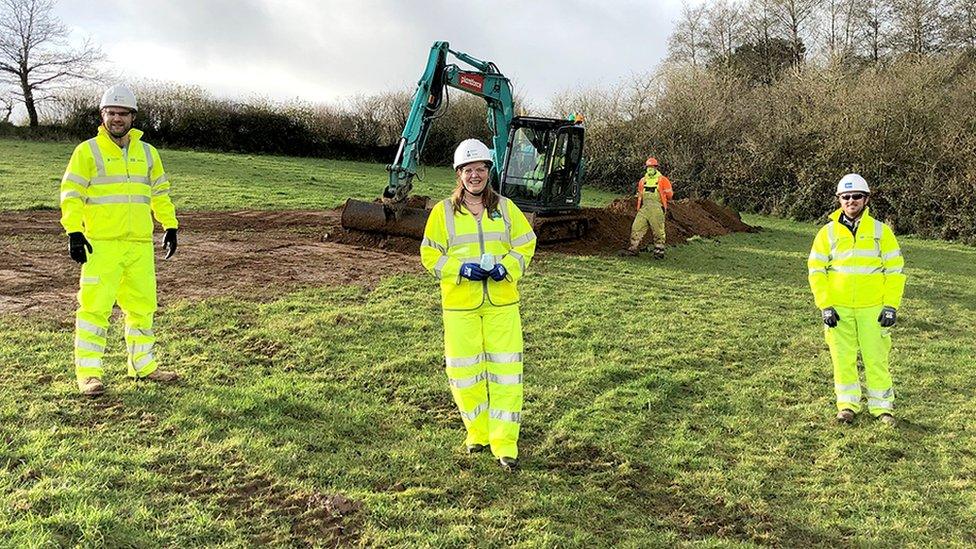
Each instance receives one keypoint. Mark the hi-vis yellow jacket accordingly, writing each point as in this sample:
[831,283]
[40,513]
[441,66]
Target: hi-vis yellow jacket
[452,239]
[862,270]
[108,192]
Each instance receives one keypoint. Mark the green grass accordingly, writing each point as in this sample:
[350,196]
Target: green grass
[678,402]
[31,174]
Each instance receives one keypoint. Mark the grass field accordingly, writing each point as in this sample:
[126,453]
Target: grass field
[679,402]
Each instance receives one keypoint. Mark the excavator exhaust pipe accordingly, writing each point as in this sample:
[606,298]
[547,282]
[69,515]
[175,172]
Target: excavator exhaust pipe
[377,217]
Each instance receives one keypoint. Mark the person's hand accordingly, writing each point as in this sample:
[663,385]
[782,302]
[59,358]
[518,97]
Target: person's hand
[498,272]
[830,317]
[77,243]
[169,243]
[888,317]
[473,271]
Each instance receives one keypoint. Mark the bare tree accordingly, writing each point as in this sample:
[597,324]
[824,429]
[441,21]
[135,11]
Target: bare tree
[838,27]
[918,25]
[874,29]
[687,41]
[961,27]
[724,29]
[6,106]
[794,17]
[35,55]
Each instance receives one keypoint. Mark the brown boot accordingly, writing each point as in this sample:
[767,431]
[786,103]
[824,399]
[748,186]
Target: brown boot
[845,416]
[888,419]
[91,386]
[163,376]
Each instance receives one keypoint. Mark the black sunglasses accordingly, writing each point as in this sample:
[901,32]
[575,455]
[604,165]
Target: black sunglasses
[855,196]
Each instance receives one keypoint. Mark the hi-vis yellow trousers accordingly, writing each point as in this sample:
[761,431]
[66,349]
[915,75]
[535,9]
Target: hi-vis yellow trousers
[120,271]
[649,217]
[858,330]
[483,351]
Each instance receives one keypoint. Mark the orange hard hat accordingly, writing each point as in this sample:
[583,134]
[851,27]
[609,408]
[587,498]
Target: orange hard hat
[651,161]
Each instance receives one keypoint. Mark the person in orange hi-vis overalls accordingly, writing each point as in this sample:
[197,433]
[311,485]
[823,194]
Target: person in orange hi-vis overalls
[653,193]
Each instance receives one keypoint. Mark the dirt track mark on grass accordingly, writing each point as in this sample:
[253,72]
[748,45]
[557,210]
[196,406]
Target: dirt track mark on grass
[315,518]
[696,515]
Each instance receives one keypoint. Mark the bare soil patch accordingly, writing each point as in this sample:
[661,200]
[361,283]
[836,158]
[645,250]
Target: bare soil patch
[261,254]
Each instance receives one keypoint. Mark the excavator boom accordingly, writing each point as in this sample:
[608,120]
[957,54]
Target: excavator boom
[552,146]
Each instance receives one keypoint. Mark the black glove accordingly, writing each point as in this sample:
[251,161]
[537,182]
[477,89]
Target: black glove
[830,317]
[169,243]
[76,247]
[888,317]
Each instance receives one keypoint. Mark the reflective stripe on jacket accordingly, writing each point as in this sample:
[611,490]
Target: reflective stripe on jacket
[452,239]
[862,270]
[108,192]
[651,184]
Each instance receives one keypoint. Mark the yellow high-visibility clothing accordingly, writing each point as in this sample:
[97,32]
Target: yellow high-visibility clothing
[482,326]
[650,216]
[452,239]
[108,192]
[858,274]
[483,355]
[124,271]
[859,330]
[856,271]
[653,193]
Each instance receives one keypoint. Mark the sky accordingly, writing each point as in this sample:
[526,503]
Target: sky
[325,51]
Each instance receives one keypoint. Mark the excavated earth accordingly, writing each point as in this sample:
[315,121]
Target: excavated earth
[263,254]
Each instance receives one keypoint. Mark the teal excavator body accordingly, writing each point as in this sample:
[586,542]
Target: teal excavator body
[537,162]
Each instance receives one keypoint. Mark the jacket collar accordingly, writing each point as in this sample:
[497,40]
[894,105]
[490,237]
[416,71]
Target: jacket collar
[135,135]
[864,216]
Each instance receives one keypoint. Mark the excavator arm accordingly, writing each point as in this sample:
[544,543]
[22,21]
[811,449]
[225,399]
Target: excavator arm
[485,81]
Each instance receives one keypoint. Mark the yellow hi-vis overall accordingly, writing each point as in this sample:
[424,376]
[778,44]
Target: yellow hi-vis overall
[482,327]
[650,213]
[110,194]
[858,275]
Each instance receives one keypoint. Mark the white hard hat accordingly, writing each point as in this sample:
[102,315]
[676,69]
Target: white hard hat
[852,182]
[471,150]
[118,95]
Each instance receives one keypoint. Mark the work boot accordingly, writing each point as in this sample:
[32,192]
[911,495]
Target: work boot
[162,376]
[888,419]
[508,463]
[845,416]
[91,386]
[658,253]
[627,252]
[476,448]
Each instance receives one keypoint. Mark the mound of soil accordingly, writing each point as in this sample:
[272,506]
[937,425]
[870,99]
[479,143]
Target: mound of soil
[610,226]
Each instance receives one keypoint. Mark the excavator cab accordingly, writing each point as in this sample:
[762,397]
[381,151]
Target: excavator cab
[543,165]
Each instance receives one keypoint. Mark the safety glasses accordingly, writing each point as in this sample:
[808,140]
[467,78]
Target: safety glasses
[853,196]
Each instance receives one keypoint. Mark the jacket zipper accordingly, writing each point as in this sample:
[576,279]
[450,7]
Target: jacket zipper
[481,246]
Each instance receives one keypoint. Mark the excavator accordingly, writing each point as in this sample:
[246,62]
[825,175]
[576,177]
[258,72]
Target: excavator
[538,162]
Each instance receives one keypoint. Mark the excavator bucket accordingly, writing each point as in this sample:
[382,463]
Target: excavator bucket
[405,219]
[559,228]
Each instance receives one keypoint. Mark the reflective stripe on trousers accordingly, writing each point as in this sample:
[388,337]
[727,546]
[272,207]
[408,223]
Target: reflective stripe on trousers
[857,331]
[122,272]
[483,355]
